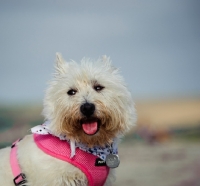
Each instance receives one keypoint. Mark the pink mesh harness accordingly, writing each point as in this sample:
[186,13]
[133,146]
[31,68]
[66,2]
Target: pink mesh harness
[57,148]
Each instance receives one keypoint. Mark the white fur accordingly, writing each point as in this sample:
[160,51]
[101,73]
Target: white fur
[44,170]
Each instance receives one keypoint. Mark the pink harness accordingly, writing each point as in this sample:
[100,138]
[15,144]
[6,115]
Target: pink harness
[59,149]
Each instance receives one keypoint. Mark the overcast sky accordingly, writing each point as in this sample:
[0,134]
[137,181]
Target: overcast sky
[156,44]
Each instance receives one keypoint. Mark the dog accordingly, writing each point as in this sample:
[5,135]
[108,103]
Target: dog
[87,109]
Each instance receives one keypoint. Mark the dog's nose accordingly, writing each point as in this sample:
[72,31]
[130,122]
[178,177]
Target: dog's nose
[87,109]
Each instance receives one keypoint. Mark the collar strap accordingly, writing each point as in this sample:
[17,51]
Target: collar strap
[20,177]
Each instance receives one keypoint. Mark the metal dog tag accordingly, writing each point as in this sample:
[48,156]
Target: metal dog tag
[112,161]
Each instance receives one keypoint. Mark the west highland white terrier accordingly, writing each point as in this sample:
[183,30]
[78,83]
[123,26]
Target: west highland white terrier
[87,108]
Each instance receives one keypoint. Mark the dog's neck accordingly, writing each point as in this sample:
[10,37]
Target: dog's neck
[101,152]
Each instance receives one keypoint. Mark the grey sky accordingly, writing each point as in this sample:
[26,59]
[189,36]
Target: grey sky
[156,44]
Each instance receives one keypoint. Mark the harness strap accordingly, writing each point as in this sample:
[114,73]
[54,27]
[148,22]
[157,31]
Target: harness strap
[19,177]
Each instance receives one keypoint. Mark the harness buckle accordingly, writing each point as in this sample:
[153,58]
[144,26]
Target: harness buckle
[22,180]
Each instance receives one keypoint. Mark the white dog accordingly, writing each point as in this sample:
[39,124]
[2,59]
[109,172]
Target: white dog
[87,108]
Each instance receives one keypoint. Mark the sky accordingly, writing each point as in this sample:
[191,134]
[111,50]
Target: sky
[155,44]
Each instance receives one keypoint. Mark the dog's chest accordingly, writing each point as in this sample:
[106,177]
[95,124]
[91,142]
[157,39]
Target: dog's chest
[86,162]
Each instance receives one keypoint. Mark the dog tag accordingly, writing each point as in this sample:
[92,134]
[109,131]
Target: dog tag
[112,161]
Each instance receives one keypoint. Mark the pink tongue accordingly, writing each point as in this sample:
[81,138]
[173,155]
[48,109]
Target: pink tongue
[90,128]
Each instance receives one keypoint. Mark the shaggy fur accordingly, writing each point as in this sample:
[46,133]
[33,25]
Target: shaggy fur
[114,109]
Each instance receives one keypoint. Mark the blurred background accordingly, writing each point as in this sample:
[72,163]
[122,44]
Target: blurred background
[156,45]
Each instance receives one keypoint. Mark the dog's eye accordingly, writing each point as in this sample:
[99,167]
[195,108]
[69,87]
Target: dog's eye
[98,88]
[71,92]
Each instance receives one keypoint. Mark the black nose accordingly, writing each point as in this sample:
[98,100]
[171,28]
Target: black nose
[87,109]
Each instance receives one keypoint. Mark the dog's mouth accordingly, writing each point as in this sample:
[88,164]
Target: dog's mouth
[90,126]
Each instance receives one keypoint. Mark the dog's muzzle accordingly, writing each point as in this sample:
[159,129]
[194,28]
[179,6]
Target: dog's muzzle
[89,123]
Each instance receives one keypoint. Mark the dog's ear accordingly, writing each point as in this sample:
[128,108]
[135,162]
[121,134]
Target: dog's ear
[108,64]
[61,65]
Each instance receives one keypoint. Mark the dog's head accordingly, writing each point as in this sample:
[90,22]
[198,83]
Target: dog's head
[88,102]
